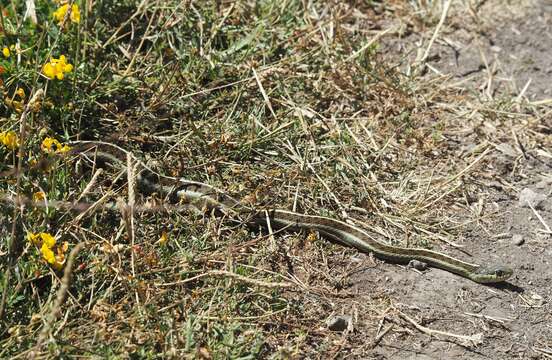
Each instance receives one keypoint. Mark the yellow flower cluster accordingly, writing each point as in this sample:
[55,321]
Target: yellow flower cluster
[60,13]
[46,244]
[56,68]
[51,145]
[9,139]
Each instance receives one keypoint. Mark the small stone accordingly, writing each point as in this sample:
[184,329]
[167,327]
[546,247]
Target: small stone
[340,323]
[536,300]
[518,239]
[418,265]
[529,198]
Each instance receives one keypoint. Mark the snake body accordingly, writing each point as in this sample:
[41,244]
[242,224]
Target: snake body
[355,237]
[205,197]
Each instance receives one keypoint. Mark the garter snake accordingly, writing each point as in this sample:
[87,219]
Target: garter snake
[206,197]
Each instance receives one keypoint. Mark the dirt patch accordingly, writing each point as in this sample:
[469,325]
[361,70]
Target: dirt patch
[510,51]
[511,320]
[514,319]
[497,49]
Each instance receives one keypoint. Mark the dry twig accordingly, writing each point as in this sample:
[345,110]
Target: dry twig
[232,275]
[472,339]
[60,298]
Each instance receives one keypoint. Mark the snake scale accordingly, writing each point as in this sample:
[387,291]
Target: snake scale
[205,197]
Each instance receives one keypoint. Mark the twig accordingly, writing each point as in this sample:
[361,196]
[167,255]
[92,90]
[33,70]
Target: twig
[270,232]
[84,207]
[546,352]
[91,208]
[378,338]
[541,102]
[225,273]
[91,184]
[62,292]
[379,334]
[522,92]
[129,221]
[519,144]
[547,231]
[474,339]
[467,168]
[138,52]
[437,29]
[487,317]
[263,92]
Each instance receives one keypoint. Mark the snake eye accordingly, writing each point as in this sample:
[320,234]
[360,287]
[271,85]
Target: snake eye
[499,273]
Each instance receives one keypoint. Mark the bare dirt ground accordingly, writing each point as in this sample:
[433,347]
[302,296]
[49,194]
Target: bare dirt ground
[497,54]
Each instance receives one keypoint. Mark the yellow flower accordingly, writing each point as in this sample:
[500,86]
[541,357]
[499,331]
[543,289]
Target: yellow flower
[21,93]
[51,145]
[65,148]
[49,70]
[48,254]
[9,139]
[164,238]
[56,68]
[48,240]
[48,143]
[34,238]
[75,13]
[6,52]
[39,196]
[65,67]
[60,13]
[42,239]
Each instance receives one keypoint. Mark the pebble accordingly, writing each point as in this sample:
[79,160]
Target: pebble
[529,197]
[340,322]
[418,265]
[518,239]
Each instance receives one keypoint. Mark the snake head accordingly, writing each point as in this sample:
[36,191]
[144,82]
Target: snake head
[492,274]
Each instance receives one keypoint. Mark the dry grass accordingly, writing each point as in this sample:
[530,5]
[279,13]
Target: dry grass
[282,105]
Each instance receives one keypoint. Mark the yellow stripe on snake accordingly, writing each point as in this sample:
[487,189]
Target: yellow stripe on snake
[206,197]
